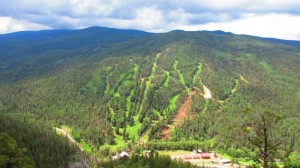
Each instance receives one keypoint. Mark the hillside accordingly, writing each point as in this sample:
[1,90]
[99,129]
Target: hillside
[23,53]
[113,86]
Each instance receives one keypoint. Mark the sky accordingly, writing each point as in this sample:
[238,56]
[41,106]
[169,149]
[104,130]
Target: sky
[265,18]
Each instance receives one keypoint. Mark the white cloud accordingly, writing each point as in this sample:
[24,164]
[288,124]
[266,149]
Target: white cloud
[8,24]
[148,18]
[273,18]
[283,26]
[242,5]
[92,8]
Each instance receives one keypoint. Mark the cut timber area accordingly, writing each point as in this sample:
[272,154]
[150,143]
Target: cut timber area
[181,114]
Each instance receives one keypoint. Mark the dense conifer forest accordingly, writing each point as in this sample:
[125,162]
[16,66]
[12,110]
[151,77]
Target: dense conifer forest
[117,89]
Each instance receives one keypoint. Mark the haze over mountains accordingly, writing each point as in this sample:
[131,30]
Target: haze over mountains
[111,86]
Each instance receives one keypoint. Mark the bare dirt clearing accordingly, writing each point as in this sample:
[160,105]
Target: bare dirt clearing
[207,93]
[182,112]
[180,116]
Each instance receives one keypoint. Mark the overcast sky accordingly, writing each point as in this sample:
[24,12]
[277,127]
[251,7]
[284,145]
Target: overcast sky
[266,18]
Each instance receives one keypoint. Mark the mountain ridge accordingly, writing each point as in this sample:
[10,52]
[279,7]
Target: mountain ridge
[138,32]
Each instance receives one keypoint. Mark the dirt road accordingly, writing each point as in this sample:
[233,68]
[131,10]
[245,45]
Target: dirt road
[71,139]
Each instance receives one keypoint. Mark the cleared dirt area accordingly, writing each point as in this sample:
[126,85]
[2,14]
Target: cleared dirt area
[214,160]
[165,133]
[181,114]
[207,93]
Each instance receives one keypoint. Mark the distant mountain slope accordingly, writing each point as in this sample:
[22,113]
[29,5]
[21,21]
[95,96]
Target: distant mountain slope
[21,50]
[103,34]
[220,32]
[29,43]
[294,43]
[286,42]
[24,55]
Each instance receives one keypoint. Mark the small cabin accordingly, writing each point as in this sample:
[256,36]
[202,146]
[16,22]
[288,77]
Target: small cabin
[124,154]
[196,156]
[205,156]
[121,155]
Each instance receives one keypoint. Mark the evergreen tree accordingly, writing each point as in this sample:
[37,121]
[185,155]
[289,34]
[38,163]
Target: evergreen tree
[11,155]
[259,134]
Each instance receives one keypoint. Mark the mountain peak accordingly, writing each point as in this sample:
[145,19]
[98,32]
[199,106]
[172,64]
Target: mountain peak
[220,32]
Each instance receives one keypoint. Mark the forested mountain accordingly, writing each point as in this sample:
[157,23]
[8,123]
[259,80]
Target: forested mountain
[23,53]
[187,88]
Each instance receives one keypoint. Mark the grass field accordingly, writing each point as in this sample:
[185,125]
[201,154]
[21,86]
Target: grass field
[134,130]
[198,71]
[167,80]
[173,101]
[86,147]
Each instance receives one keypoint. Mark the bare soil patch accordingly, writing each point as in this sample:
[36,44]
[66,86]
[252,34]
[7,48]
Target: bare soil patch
[182,112]
[180,116]
[207,93]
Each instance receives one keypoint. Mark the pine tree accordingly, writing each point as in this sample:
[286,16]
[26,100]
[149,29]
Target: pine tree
[11,155]
[259,134]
